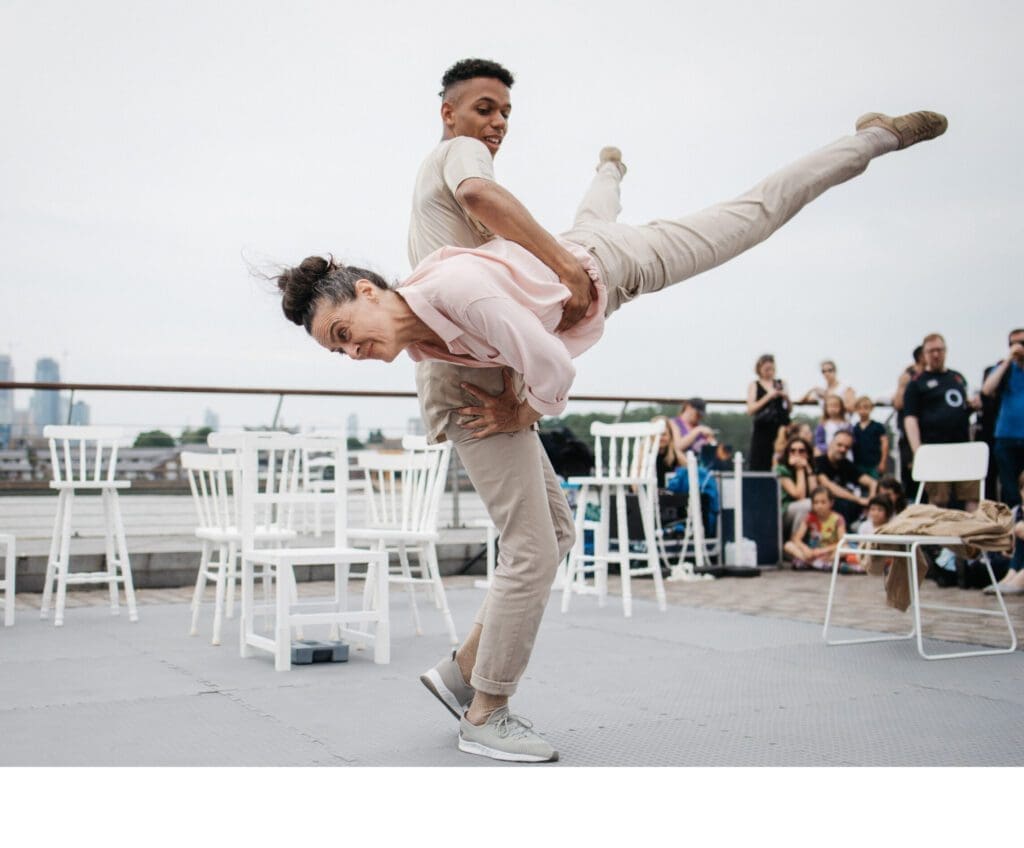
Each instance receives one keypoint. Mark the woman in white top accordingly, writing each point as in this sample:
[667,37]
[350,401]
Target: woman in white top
[832,387]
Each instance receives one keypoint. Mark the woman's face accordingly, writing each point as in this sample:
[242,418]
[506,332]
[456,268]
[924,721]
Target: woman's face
[796,453]
[360,328]
[767,371]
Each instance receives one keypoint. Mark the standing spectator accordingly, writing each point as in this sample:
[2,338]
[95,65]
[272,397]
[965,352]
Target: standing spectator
[814,540]
[840,476]
[935,404]
[833,420]
[768,404]
[832,387]
[870,441]
[796,481]
[1004,384]
[688,433]
[911,372]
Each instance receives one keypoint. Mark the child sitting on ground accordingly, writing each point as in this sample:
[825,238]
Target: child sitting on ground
[870,441]
[814,541]
[890,487]
[833,420]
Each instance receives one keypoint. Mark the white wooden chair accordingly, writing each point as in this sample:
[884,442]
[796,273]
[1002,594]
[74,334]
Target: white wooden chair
[214,481]
[403,494]
[966,461]
[624,462]
[84,459]
[272,497]
[7,584]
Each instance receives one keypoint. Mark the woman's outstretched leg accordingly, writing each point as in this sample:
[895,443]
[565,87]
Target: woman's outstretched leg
[638,260]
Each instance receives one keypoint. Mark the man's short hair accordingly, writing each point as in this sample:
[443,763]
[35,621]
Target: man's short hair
[468,69]
[839,433]
[931,337]
[1014,332]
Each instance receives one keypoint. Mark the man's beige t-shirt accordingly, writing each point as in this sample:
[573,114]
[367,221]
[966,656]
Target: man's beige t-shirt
[438,220]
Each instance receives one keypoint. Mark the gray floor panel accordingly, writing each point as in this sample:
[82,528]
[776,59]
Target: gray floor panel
[685,687]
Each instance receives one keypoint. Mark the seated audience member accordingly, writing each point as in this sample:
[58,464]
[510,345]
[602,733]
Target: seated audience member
[841,477]
[796,482]
[668,460]
[723,459]
[688,433]
[832,387]
[870,441]
[814,540]
[833,420]
[879,513]
[891,488]
[1013,582]
[795,429]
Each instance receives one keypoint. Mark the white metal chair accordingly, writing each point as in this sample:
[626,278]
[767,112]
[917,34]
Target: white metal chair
[631,452]
[272,498]
[84,459]
[965,461]
[403,494]
[214,479]
[7,584]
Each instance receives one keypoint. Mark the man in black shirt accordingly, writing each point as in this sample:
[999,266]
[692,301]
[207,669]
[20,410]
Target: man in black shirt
[937,412]
[841,477]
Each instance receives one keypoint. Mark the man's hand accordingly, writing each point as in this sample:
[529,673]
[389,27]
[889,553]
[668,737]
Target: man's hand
[581,293]
[496,413]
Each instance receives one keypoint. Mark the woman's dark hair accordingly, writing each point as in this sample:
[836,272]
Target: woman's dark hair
[467,69]
[795,440]
[763,359]
[891,484]
[821,490]
[883,502]
[303,286]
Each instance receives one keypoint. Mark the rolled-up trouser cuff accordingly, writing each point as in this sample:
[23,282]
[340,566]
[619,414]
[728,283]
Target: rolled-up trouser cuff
[491,687]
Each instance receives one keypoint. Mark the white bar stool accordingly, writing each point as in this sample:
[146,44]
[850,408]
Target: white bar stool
[85,459]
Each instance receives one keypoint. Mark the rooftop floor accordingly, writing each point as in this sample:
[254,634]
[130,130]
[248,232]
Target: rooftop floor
[734,673]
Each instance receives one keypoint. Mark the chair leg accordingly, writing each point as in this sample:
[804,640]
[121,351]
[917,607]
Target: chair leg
[406,572]
[602,547]
[434,569]
[341,570]
[623,533]
[63,564]
[245,622]
[125,563]
[282,622]
[218,602]
[232,571]
[382,632]
[51,562]
[576,554]
[9,580]
[648,511]
[197,593]
[108,544]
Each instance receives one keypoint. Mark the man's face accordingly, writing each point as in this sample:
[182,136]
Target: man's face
[935,355]
[1017,346]
[840,446]
[478,108]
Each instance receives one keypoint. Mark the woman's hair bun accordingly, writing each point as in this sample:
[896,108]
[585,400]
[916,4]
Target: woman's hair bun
[298,287]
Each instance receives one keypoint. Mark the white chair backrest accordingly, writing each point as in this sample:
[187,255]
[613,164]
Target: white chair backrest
[626,450]
[953,462]
[272,481]
[83,454]
[213,479]
[403,491]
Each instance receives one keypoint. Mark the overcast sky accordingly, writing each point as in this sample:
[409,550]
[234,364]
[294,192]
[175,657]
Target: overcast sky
[148,148]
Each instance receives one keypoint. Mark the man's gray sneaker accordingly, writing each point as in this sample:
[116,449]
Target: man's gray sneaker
[445,680]
[910,128]
[505,737]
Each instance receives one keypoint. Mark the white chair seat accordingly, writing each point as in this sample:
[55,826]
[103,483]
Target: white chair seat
[234,534]
[310,556]
[604,481]
[392,535]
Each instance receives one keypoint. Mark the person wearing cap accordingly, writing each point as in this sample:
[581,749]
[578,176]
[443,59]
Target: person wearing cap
[688,433]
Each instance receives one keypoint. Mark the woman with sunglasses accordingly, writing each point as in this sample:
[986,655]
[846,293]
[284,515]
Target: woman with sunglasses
[797,480]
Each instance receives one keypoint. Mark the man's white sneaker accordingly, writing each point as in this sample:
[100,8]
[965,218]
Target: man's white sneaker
[505,737]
